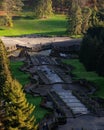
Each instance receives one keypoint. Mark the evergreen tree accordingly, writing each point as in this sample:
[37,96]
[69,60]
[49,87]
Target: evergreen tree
[100,65]
[94,19]
[92,49]
[17,109]
[78,27]
[11,7]
[71,18]
[43,8]
[86,16]
[2,115]
[74,18]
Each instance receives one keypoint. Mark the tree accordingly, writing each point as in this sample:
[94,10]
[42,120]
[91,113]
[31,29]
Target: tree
[17,109]
[78,27]
[92,49]
[2,115]
[94,19]
[100,65]
[88,53]
[11,7]
[86,12]
[43,8]
[74,19]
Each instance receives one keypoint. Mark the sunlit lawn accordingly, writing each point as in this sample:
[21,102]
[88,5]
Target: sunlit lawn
[23,78]
[55,25]
[81,73]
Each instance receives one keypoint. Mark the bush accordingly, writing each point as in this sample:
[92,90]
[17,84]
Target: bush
[92,49]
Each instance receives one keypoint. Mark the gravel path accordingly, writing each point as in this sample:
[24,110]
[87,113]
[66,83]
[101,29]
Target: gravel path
[32,41]
[37,41]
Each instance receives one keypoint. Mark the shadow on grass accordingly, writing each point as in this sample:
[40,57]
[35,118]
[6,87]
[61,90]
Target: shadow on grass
[43,34]
[23,17]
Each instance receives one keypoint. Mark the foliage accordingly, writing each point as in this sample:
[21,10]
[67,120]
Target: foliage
[74,19]
[2,115]
[81,17]
[11,7]
[92,49]
[71,19]
[38,112]
[78,28]
[86,12]
[43,8]
[17,109]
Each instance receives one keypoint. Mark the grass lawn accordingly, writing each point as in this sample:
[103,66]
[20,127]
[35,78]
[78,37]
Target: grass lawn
[23,78]
[81,73]
[55,25]
[39,112]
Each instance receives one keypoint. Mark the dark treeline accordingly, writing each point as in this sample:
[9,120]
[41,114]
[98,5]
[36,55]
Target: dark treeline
[82,15]
[92,50]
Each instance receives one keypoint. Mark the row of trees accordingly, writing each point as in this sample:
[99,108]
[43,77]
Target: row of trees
[92,50]
[15,111]
[83,16]
[41,9]
[10,7]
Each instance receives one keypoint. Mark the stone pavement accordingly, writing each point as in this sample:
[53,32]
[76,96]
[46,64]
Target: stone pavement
[87,122]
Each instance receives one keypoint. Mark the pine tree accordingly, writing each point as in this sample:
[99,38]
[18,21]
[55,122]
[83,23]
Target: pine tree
[86,16]
[78,27]
[71,18]
[74,18]
[11,7]
[94,19]
[2,115]
[43,8]
[17,109]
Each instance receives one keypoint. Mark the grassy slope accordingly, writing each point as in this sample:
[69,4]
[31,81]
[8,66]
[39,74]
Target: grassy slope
[55,25]
[23,78]
[81,73]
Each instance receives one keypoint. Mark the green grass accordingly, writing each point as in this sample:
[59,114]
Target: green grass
[81,73]
[23,78]
[38,112]
[55,25]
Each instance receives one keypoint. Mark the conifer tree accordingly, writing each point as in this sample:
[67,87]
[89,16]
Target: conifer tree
[43,8]
[78,27]
[17,109]
[2,115]
[71,18]
[11,7]
[86,16]
[74,18]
